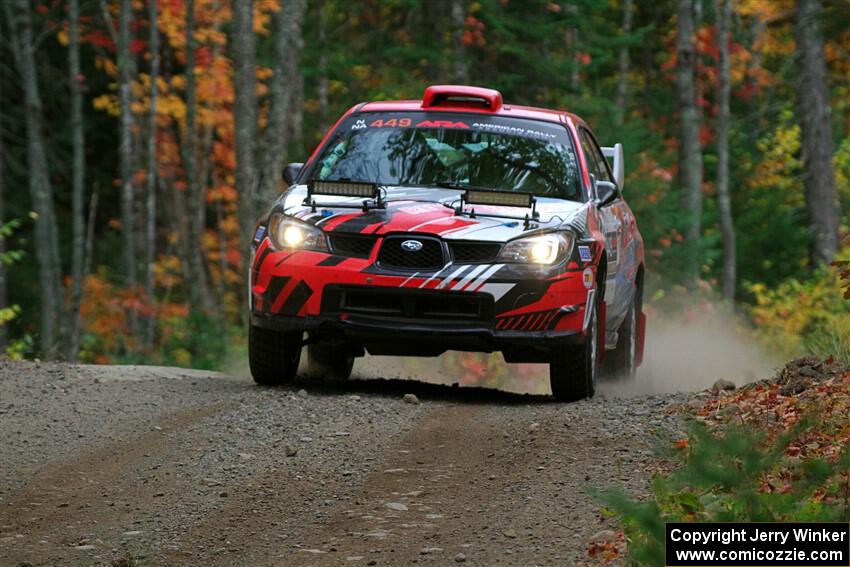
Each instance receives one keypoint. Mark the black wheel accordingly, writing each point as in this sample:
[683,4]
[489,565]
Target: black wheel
[329,362]
[273,356]
[574,368]
[621,363]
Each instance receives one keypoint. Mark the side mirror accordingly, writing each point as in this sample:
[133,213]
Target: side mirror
[291,171]
[614,154]
[606,192]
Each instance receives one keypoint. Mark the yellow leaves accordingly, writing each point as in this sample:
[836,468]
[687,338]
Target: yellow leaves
[107,65]
[262,15]
[211,36]
[787,315]
[108,103]
[361,72]
[173,106]
[167,271]
[178,82]
[63,37]
[264,73]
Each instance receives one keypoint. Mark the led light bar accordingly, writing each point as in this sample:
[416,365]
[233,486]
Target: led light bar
[498,198]
[343,189]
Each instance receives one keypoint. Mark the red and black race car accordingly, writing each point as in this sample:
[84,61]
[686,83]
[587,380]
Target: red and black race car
[455,222]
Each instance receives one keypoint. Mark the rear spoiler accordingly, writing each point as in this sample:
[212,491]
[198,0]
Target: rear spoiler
[615,158]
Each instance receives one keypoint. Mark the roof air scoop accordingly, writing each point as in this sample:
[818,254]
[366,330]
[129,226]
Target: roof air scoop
[460,96]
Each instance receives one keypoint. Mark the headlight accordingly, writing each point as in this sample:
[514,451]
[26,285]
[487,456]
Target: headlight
[546,249]
[288,233]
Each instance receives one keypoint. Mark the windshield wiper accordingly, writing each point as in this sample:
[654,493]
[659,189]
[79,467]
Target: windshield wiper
[452,185]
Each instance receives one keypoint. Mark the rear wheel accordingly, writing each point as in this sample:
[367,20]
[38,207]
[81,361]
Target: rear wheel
[329,362]
[622,361]
[573,369]
[273,356]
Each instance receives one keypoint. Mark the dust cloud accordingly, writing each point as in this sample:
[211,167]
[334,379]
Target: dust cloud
[686,357]
[679,357]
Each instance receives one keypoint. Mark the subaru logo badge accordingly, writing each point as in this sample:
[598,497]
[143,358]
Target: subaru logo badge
[411,245]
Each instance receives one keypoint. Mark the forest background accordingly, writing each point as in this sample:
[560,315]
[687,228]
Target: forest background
[140,142]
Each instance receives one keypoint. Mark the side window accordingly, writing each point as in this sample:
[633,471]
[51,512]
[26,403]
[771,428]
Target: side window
[597,164]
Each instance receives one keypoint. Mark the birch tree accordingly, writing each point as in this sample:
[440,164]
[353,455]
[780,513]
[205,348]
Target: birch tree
[40,189]
[460,71]
[199,298]
[244,55]
[78,175]
[723,12]
[816,136]
[151,181]
[623,63]
[125,150]
[288,24]
[690,156]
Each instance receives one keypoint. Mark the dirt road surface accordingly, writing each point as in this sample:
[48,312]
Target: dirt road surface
[163,466]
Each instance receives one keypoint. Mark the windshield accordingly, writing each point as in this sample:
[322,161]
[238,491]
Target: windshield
[418,149]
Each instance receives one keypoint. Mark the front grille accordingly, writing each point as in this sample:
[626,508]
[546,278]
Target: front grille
[474,252]
[355,245]
[428,257]
[407,304]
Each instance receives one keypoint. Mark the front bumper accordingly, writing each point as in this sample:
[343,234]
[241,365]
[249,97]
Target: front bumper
[402,337]
[496,307]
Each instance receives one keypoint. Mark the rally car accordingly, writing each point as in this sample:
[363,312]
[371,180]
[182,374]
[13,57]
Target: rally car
[455,222]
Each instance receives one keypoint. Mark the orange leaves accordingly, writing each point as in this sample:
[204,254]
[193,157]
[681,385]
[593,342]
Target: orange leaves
[473,34]
[605,551]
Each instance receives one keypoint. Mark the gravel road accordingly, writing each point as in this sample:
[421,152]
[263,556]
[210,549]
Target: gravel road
[120,465]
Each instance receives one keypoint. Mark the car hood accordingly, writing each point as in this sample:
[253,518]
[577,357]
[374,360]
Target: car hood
[426,210]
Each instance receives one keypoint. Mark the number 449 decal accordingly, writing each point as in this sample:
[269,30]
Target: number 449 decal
[407,123]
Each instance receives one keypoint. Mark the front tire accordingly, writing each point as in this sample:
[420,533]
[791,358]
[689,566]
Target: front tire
[573,370]
[273,356]
[329,363]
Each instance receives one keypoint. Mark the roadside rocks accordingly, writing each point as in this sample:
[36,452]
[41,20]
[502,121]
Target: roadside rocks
[410,399]
[723,385]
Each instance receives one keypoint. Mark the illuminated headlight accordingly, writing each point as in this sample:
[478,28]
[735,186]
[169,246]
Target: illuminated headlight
[288,233]
[546,249]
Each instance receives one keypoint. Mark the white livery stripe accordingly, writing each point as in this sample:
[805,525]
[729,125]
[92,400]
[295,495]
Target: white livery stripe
[484,277]
[469,277]
[452,276]
[432,278]
[404,283]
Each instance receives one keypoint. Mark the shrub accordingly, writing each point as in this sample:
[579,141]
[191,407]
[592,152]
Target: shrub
[805,317]
[732,477]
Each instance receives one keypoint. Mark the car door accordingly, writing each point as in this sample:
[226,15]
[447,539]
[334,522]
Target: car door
[612,217]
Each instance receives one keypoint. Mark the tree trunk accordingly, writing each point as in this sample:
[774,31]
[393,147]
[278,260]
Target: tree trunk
[623,63]
[41,192]
[723,11]
[460,71]
[150,197]
[125,152]
[245,115]
[690,156]
[199,298]
[288,43]
[4,297]
[323,61]
[296,111]
[78,221]
[816,136]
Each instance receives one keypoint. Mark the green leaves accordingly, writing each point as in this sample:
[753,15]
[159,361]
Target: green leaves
[726,477]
